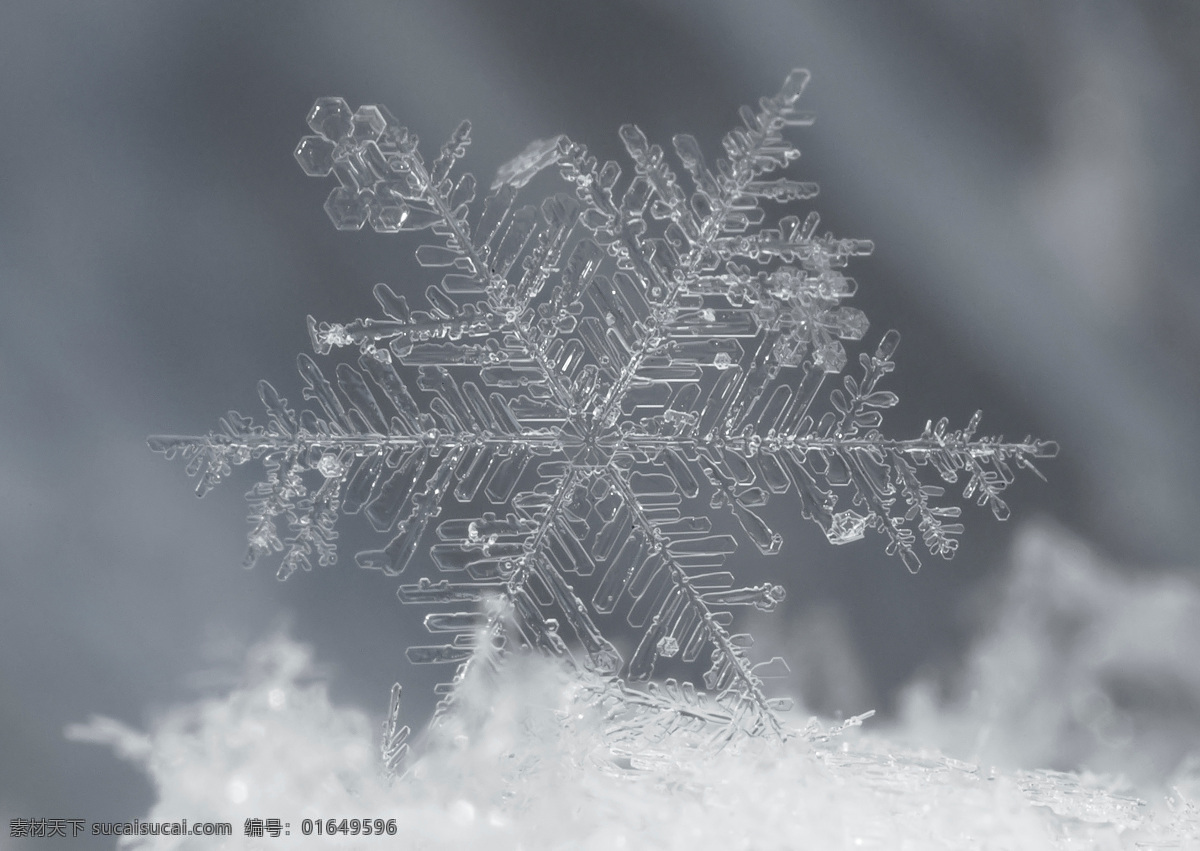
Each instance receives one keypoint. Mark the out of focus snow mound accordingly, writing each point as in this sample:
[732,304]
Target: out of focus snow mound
[1080,667]
[523,760]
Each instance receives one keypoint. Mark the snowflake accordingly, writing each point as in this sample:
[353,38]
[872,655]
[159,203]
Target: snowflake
[591,368]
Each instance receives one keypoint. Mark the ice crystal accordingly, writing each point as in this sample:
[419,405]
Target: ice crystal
[591,368]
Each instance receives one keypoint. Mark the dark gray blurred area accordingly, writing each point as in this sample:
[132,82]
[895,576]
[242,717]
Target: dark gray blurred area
[1030,173]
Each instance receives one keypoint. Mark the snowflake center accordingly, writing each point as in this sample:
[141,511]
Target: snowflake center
[588,444]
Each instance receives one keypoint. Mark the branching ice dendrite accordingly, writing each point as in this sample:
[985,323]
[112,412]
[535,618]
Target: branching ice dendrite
[592,367]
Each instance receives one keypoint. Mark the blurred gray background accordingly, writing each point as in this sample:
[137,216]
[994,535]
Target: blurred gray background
[1030,173]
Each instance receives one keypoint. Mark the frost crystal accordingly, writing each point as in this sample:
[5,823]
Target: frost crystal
[586,372]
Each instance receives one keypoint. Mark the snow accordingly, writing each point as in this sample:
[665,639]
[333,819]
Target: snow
[522,761]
